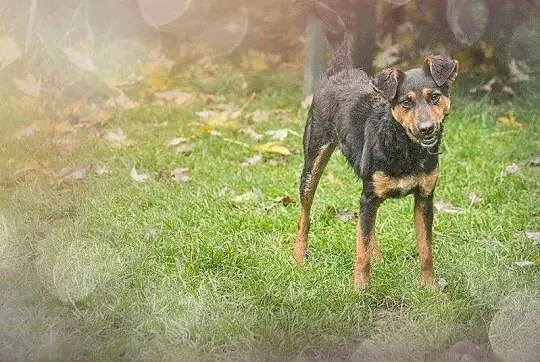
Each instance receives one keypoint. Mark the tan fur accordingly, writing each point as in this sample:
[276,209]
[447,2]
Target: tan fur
[385,184]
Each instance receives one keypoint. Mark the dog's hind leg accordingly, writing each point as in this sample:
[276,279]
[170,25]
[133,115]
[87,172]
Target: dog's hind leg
[315,159]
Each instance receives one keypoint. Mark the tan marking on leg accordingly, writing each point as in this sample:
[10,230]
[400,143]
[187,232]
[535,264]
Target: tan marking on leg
[423,237]
[361,268]
[312,179]
[375,249]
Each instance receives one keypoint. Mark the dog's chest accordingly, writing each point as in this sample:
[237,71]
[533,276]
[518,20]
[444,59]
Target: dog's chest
[391,186]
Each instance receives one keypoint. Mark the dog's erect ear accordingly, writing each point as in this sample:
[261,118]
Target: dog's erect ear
[386,82]
[443,70]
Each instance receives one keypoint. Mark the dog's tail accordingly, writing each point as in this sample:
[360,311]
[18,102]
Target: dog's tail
[336,33]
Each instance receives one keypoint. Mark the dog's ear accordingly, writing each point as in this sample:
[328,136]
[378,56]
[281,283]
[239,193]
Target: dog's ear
[386,82]
[443,70]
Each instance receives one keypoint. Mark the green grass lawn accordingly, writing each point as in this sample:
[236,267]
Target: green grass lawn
[109,268]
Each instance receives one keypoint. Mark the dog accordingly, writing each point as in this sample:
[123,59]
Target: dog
[389,128]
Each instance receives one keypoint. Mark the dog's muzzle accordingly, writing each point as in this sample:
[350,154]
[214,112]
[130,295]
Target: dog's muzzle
[427,134]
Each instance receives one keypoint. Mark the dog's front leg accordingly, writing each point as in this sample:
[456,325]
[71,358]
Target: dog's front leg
[423,223]
[365,237]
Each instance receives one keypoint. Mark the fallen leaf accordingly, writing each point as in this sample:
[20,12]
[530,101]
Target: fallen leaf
[278,135]
[535,160]
[176,141]
[180,174]
[533,236]
[138,177]
[184,149]
[80,59]
[29,85]
[116,136]
[274,148]
[509,120]
[442,283]
[250,161]
[510,169]
[9,51]
[473,198]
[524,263]
[441,206]
[252,133]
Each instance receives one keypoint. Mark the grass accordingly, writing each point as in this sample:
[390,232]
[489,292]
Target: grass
[108,268]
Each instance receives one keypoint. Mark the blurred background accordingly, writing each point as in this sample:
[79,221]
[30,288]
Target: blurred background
[497,42]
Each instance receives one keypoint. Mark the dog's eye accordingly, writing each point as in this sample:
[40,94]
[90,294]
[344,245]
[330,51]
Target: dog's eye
[407,103]
[435,98]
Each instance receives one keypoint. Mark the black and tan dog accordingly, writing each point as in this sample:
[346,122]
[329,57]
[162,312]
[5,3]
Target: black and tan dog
[389,128]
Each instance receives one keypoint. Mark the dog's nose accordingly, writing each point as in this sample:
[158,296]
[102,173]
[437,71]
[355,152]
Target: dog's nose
[426,128]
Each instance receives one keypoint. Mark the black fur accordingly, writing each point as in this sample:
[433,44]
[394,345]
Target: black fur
[353,112]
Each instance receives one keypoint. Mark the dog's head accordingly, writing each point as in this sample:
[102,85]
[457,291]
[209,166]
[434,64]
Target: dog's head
[420,97]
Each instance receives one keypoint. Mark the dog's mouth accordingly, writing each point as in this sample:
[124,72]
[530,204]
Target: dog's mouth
[427,141]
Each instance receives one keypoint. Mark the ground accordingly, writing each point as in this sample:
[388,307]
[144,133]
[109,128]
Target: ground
[154,232]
